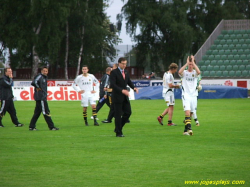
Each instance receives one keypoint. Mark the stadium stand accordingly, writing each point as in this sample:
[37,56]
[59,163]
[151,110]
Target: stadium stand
[226,52]
[229,56]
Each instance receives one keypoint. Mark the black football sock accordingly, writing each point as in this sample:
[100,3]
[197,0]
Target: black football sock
[187,123]
[85,117]
[94,114]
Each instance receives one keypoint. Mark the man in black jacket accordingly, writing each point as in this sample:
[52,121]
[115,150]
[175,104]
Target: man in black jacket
[104,83]
[40,96]
[119,79]
[111,108]
[6,96]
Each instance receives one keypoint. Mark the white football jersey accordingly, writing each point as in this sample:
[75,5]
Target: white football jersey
[168,78]
[189,83]
[85,83]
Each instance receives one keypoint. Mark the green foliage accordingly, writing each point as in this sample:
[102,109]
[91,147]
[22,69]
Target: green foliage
[148,155]
[171,29]
[19,31]
[165,33]
[168,30]
[1,65]
[201,12]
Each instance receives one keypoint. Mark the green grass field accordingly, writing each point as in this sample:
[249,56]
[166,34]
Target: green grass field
[149,155]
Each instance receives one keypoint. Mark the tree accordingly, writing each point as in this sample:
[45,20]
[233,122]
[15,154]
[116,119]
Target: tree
[13,30]
[164,30]
[51,15]
[201,11]
[52,32]
[89,35]
[169,30]
[96,38]
[66,51]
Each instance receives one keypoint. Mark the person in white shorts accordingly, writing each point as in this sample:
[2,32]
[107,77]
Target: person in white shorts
[189,92]
[198,89]
[168,94]
[84,85]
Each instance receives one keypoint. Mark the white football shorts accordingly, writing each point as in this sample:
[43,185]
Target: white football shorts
[87,98]
[189,103]
[169,98]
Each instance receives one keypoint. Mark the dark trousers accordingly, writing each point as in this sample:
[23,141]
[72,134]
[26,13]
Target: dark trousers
[8,106]
[122,114]
[41,107]
[100,104]
[111,112]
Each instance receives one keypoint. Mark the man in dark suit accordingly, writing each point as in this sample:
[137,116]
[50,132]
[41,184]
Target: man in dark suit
[119,79]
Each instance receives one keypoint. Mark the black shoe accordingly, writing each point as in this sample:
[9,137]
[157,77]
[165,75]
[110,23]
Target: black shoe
[96,124]
[106,121]
[1,126]
[86,124]
[19,125]
[120,135]
[54,129]
[33,129]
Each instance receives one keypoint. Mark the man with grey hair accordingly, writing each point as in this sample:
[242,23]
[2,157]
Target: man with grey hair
[6,96]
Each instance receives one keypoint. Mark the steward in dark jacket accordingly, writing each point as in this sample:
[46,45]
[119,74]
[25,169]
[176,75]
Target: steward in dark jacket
[6,96]
[40,87]
[6,88]
[40,96]
[104,83]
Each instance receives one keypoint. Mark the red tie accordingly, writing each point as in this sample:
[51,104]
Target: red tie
[123,74]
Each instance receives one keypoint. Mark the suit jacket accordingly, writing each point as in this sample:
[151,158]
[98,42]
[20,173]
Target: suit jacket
[117,83]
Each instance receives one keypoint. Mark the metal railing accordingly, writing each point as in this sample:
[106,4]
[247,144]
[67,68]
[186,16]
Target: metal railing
[223,25]
[243,24]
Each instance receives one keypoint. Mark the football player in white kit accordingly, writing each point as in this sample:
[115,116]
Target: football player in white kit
[168,94]
[189,92]
[198,89]
[84,85]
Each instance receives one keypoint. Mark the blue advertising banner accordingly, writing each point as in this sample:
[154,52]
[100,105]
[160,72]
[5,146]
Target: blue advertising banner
[207,92]
[140,83]
[156,83]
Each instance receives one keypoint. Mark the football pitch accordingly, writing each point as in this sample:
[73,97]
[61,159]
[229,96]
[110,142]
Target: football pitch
[148,155]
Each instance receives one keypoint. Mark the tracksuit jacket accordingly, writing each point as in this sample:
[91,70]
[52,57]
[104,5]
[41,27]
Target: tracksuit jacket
[6,88]
[40,90]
